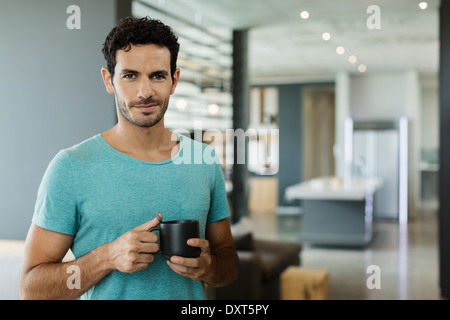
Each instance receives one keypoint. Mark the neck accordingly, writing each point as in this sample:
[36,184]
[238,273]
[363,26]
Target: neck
[142,138]
[152,144]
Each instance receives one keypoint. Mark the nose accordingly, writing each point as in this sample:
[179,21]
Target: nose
[145,89]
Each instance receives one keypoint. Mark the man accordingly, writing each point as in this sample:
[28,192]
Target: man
[99,198]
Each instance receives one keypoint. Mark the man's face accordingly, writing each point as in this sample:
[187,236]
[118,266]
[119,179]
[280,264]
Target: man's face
[142,84]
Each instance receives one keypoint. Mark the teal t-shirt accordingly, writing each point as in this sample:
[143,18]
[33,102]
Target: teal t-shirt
[96,193]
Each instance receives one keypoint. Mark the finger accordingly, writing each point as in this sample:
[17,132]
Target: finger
[178,268]
[197,242]
[149,224]
[147,237]
[158,216]
[144,258]
[187,262]
[146,248]
[139,266]
[192,273]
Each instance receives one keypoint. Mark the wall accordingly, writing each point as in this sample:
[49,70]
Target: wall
[430,113]
[379,96]
[318,132]
[384,96]
[291,137]
[52,94]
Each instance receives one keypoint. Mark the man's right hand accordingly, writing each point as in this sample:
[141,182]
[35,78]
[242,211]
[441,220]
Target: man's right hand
[133,251]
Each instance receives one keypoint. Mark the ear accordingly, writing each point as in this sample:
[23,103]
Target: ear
[176,77]
[107,80]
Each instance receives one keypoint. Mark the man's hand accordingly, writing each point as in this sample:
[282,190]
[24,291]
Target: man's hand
[195,268]
[133,251]
[218,263]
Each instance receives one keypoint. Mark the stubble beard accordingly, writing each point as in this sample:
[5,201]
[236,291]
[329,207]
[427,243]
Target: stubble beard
[146,120]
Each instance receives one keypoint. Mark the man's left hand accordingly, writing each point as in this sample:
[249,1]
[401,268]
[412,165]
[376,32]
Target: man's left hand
[194,268]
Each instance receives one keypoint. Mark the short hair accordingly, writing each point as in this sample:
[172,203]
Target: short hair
[140,31]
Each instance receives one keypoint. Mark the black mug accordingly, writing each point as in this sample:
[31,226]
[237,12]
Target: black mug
[173,237]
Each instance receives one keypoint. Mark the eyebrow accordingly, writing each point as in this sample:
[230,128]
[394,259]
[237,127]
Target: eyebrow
[157,72]
[127,71]
[160,73]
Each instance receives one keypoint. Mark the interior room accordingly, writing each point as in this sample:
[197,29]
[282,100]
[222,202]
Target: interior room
[326,117]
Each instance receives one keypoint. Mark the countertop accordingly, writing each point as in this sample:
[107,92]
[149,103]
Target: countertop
[333,188]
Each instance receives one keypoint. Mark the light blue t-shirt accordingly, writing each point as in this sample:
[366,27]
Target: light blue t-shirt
[96,193]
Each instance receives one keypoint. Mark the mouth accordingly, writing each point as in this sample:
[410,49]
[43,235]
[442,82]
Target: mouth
[146,108]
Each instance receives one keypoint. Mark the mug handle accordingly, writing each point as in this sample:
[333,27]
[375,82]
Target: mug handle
[157,228]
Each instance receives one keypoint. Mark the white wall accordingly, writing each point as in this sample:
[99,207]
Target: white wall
[378,96]
[52,94]
[384,96]
[430,112]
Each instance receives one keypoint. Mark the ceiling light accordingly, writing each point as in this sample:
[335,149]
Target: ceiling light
[213,108]
[340,50]
[423,5]
[304,14]
[362,68]
[352,59]
[326,36]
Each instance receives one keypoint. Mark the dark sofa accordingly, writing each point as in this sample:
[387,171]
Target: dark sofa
[261,263]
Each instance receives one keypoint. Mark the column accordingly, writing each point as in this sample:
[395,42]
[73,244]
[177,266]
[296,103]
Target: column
[291,139]
[123,9]
[240,193]
[444,150]
[342,106]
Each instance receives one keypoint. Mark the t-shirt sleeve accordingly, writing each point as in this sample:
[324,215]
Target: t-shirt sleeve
[219,208]
[55,207]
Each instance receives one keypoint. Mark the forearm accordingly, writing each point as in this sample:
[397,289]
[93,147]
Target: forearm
[224,267]
[65,280]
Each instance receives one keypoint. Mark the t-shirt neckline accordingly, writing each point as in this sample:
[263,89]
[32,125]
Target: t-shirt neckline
[124,156]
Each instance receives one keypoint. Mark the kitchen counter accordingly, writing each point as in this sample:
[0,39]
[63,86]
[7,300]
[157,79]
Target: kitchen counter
[333,188]
[337,212]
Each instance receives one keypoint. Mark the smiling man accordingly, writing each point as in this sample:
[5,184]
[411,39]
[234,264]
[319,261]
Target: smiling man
[99,198]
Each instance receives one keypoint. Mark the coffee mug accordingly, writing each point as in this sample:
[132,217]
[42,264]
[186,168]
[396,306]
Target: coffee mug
[173,237]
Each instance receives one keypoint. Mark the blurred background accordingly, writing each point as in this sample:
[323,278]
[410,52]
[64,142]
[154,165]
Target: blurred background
[330,94]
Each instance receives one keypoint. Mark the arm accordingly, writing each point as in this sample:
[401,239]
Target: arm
[45,276]
[218,262]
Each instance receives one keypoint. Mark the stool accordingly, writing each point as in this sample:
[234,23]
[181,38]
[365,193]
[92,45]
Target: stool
[299,283]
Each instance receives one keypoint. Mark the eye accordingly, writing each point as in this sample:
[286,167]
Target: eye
[129,76]
[159,77]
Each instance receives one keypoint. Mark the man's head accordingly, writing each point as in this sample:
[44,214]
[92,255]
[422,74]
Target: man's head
[141,58]
[135,31]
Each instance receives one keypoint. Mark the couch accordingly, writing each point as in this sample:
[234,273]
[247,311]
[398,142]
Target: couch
[11,260]
[11,257]
[261,263]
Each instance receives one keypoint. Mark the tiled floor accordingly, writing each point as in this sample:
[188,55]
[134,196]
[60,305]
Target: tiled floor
[407,257]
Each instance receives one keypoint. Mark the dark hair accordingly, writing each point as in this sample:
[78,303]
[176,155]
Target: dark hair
[134,31]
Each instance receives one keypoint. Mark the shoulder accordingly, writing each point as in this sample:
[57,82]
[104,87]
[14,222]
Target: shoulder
[187,142]
[196,152]
[84,148]
[82,152]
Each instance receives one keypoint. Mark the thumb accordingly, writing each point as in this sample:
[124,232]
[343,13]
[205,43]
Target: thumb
[149,224]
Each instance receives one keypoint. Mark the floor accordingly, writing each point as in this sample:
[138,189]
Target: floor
[405,258]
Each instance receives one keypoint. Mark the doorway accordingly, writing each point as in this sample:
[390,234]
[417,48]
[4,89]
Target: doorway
[318,117]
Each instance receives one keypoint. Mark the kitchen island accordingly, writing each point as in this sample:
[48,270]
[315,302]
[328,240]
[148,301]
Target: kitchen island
[336,211]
